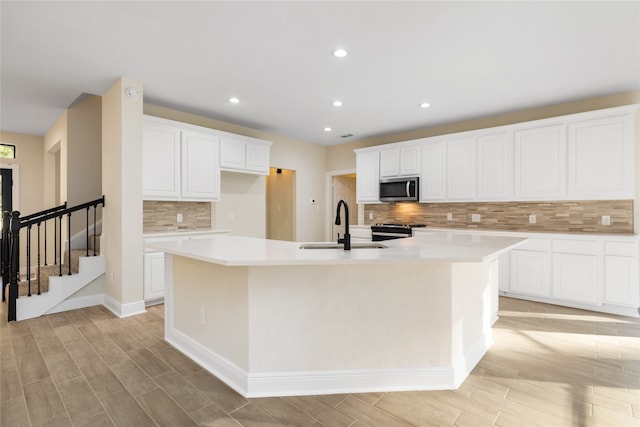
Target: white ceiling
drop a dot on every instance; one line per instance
(468, 59)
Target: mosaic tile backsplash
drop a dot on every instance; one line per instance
(555, 217)
(161, 216)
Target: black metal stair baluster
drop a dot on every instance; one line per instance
(38, 266)
(87, 254)
(6, 268)
(55, 240)
(14, 255)
(95, 208)
(69, 240)
(60, 245)
(45, 243)
(29, 261)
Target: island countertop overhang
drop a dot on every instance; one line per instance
(250, 251)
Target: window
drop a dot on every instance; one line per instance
(7, 151)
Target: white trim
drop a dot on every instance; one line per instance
(77, 302)
(124, 310)
(315, 382)
(15, 190)
(329, 200)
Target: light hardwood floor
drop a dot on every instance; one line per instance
(549, 366)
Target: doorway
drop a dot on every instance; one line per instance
(281, 223)
(343, 187)
(6, 190)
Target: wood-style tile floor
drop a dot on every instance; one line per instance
(549, 366)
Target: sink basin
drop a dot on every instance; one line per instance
(334, 245)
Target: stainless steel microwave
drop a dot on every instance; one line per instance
(400, 189)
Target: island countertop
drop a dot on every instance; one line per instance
(249, 251)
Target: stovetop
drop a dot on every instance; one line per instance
(404, 226)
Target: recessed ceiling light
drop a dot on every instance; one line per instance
(234, 100)
(337, 103)
(340, 53)
(327, 129)
(425, 105)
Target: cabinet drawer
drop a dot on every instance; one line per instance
(538, 245)
(587, 247)
(621, 248)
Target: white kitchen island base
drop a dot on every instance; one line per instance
(278, 330)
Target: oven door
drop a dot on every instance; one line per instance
(379, 236)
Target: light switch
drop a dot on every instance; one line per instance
(532, 219)
(606, 220)
(179, 217)
(449, 216)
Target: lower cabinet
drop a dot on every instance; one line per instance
(575, 278)
(529, 272)
(153, 276)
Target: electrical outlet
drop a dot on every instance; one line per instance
(203, 317)
(449, 216)
(370, 215)
(606, 220)
(231, 216)
(179, 218)
(475, 217)
(532, 219)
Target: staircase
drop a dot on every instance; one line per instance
(56, 288)
(44, 288)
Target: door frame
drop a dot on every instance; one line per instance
(15, 176)
(328, 198)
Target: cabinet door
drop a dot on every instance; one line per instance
(258, 157)
(389, 162)
(540, 168)
(461, 169)
(495, 166)
(232, 153)
(200, 170)
(160, 162)
(529, 272)
(410, 160)
(575, 278)
(621, 280)
(601, 159)
(367, 177)
(433, 184)
(153, 276)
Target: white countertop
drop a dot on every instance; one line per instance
(249, 251)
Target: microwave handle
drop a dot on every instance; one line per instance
(408, 184)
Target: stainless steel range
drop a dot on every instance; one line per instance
(380, 232)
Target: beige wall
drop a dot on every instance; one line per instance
(342, 157)
(55, 145)
(280, 201)
(242, 206)
(30, 161)
(122, 187)
(308, 160)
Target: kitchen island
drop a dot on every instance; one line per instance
(272, 319)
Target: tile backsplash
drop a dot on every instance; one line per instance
(161, 216)
(582, 216)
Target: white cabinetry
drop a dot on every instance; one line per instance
(495, 167)
(153, 276)
(240, 154)
(200, 177)
(433, 184)
(367, 176)
(160, 162)
(529, 266)
(576, 270)
(621, 273)
(179, 163)
(540, 163)
(403, 160)
(461, 169)
(601, 158)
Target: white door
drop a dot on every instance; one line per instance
(575, 277)
(433, 183)
(495, 166)
(621, 280)
(461, 169)
(389, 162)
(367, 177)
(410, 160)
(160, 162)
(257, 157)
(153, 276)
(200, 170)
(232, 153)
(529, 272)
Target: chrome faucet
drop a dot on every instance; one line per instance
(347, 237)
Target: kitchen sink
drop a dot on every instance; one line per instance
(334, 245)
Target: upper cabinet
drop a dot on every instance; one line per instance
(601, 158)
(183, 161)
(179, 164)
(367, 176)
(540, 163)
(242, 154)
(403, 160)
(586, 156)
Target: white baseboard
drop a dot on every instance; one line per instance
(312, 383)
(76, 303)
(124, 310)
(604, 308)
